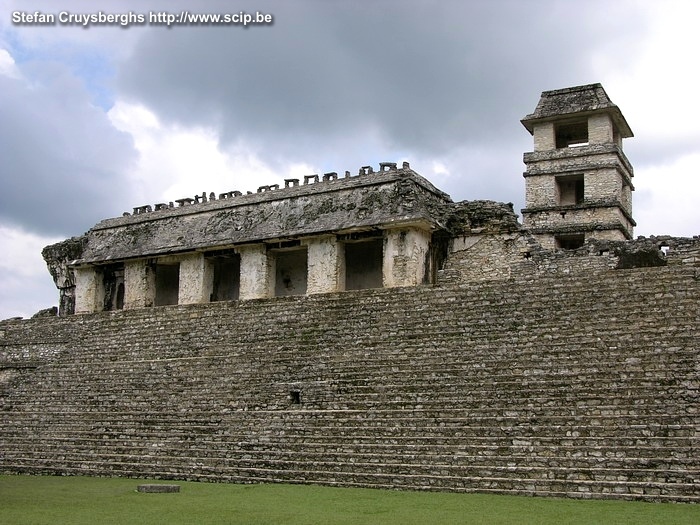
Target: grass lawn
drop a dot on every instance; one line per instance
(77, 500)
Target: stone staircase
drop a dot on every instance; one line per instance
(578, 386)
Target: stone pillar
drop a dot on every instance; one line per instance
(600, 129)
(405, 254)
(255, 272)
(196, 279)
(139, 285)
(89, 290)
(326, 265)
(544, 136)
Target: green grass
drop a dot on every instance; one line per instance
(37, 500)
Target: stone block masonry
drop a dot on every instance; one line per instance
(276, 242)
(367, 331)
(583, 385)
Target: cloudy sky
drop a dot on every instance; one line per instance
(97, 120)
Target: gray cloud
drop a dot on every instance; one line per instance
(62, 162)
(332, 84)
(432, 80)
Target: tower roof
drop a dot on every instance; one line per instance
(578, 100)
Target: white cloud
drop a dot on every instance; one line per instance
(666, 200)
(661, 77)
(656, 90)
(8, 67)
(25, 281)
(176, 162)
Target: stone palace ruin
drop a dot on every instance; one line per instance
(365, 330)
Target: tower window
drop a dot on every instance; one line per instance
(570, 242)
(570, 190)
(572, 134)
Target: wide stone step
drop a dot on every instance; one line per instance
(533, 342)
(385, 421)
(529, 481)
(518, 456)
(399, 466)
(557, 387)
(623, 449)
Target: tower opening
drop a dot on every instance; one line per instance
(570, 242)
(570, 189)
(572, 134)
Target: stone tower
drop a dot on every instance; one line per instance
(578, 182)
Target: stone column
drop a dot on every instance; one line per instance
(89, 290)
(405, 253)
(255, 272)
(600, 129)
(196, 279)
(543, 135)
(139, 285)
(326, 270)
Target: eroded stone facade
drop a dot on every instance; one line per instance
(556, 357)
(317, 237)
(578, 182)
(385, 228)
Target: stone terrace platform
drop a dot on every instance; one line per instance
(582, 386)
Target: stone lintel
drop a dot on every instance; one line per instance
(410, 223)
(581, 228)
(590, 205)
(583, 154)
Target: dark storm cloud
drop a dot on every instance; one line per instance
(429, 76)
(429, 80)
(62, 162)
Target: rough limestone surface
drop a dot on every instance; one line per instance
(578, 100)
(558, 357)
(395, 196)
(559, 382)
(58, 257)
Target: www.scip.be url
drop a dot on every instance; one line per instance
(187, 18)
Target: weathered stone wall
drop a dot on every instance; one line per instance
(57, 257)
(349, 203)
(143, 256)
(582, 384)
(606, 178)
(518, 255)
